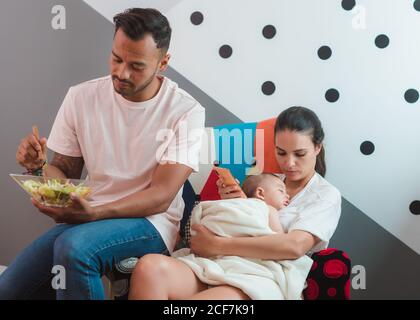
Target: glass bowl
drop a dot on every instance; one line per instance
(53, 192)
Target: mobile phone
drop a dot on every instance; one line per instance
(226, 176)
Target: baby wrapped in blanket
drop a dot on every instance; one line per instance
(255, 216)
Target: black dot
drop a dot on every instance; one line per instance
(225, 51)
(382, 41)
(367, 148)
(268, 88)
(417, 5)
(197, 18)
(269, 31)
(411, 96)
(415, 207)
(324, 52)
(348, 4)
(332, 95)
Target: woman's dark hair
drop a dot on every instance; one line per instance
(304, 120)
(137, 22)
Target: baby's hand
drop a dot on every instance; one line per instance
(274, 221)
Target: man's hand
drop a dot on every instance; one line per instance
(31, 153)
(205, 243)
(80, 211)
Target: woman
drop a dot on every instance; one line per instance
(310, 219)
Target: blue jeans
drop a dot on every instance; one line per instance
(86, 251)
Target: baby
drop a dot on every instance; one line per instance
(258, 215)
(270, 189)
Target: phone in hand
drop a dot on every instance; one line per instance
(226, 176)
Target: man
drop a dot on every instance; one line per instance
(126, 129)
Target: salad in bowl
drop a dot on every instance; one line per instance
(53, 191)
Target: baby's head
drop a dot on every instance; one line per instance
(267, 187)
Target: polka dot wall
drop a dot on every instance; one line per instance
(260, 61)
(354, 62)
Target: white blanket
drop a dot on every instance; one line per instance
(259, 279)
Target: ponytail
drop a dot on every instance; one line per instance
(320, 166)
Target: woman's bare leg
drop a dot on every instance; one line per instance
(161, 277)
(222, 292)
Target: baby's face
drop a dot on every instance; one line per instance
(275, 194)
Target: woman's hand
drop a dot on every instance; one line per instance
(205, 243)
(229, 192)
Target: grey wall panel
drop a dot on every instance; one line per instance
(392, 268)
(38, 64)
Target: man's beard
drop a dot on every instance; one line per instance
(131, 91)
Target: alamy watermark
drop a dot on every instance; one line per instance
(58, 282)
(359, 17)
(58, 22)
(200, 146)
(358, 274)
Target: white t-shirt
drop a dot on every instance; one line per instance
(315, 209)
(123, 142)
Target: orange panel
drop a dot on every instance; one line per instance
(268, 156)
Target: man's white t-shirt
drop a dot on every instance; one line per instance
(123, 142)
(315, 209)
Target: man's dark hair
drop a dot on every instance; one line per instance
(137, 22)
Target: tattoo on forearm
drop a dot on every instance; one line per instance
(72, 167)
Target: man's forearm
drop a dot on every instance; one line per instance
(140, 204)
(51, 171)
(62, 166)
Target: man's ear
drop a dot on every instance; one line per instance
(164, 63)
(259, 193)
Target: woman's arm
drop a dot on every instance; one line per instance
(292, 245)
(286, 246)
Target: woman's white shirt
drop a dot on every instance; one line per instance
(315, 209)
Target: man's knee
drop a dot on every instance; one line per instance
(69, 249)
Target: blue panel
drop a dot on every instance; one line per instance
(235, 147)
